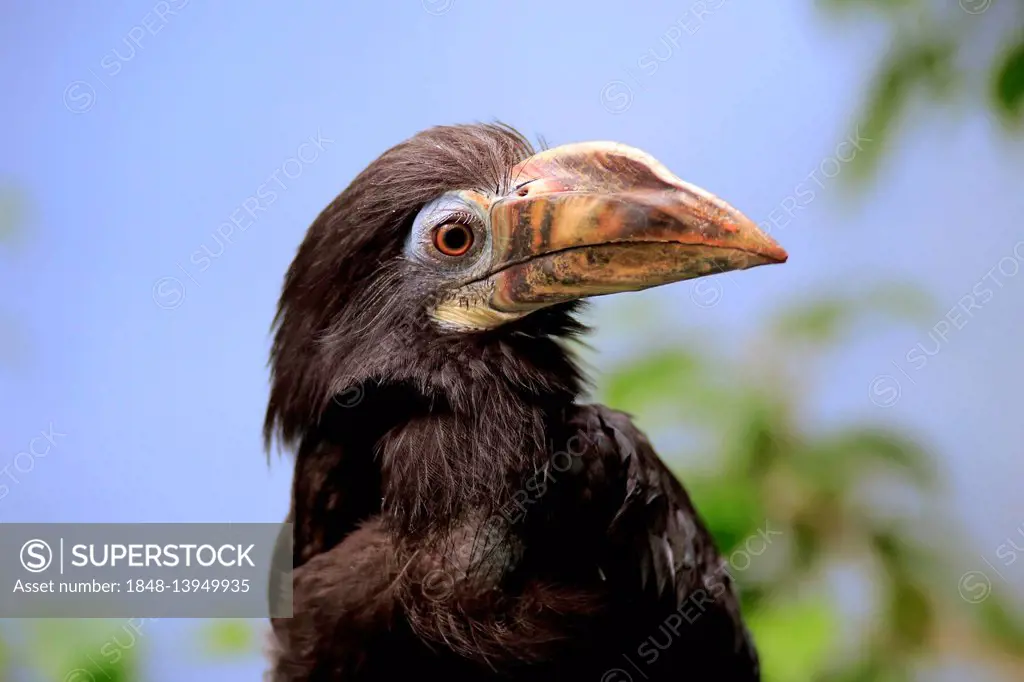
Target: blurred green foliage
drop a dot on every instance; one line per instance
(74, 650)
(940, 52)
(226, 639)
(12, 212)
(817, 490)
(815, 485)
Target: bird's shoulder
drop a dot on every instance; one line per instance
(653, 512)
(660, 547)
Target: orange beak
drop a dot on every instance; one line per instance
(597, 218)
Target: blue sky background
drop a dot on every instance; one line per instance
(134, 159)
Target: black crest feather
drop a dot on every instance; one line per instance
(346, 252)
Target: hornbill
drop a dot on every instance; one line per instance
(456, 511)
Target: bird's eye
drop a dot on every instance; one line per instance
(453, 239)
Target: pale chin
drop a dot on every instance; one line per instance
(469, 310)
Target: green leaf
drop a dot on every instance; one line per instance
(875, 667)
(1000, 623)
(828, 319)
(759, 434)
(901, 552)
(119, 665)
(898, 301)
(642, 384)
(732, 509)
(851, 452)
(1009, 82)
(907, 67)
(816, 321)
(794, 637)
(889, 7)
(12, 213)
(70, 649)
(911, 614)
(228, 639)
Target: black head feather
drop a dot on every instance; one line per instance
(351, 317)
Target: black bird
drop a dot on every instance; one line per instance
(456, 511)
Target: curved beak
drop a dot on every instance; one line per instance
(597, 218)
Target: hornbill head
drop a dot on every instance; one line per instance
(463, 244)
